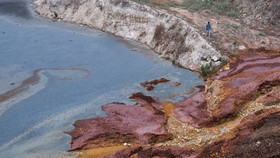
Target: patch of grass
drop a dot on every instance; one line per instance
(234, 42)
(261, 34)
(222, 7)
(169, 4)
(172, 4)
(55, 14)
(197, 5)
(167, 58)
(233, 13)
(173, 61)
(142, 1)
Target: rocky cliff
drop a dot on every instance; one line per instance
(166, 34)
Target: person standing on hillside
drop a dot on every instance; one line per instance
(208, 29)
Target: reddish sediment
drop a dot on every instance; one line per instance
(149, 102)
(176, 84)
(124, 124)
(237, 114)
(247, 79)
(149, 85)
(193, 110)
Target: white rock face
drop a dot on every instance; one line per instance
(166, 34)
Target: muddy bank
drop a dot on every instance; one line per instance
(166, 34)
(231, 114)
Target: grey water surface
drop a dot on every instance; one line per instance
(78, 69)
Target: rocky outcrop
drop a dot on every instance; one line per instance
(168, 35)
(255, 74)
(124, 124)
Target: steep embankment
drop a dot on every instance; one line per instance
(167, 34)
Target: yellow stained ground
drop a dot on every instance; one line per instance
(185, 135)
(100, 152)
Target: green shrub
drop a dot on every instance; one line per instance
(205, 69)
(261, 34)
(100, 6)
(173, 61)
(223, 61)
(55, 14)
(234, 43)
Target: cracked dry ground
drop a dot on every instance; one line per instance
(237, 114)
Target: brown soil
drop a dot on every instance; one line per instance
(149, 85)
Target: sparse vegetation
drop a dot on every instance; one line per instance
(223, 61)
(205, 69)
(222, 7)
(169, 4)
(178, 29)
(234, 42)
(167, 58)
(99, 5)
(142, 1)
(234, 54)
(261, 34)
(195, 5)
(55, 14)
(173, 61)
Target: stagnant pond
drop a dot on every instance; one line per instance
(53, 73)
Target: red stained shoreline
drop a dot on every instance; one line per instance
(253, 79)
